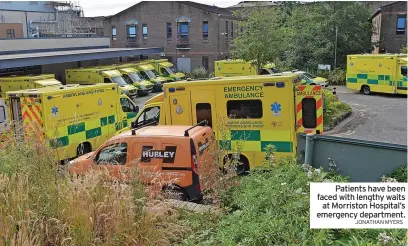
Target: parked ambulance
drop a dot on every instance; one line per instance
(132, 76)
(385, 73)
(91, 76)
(231, 68)
(149, 73)
(170, 156)
(73, 119)
(251, 111)
(166, 69)
(13, 83)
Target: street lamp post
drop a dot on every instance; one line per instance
(335, 50)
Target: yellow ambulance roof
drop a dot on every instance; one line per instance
(277, 77)
(48, 82)
(28, 77)
(165, 64)
(146, 66)
(71, 88)
(128, 70)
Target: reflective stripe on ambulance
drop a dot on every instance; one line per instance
(309, 91)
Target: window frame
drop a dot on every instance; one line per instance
(259, 114)
(232, 29)
(143, 114)
(131, 107)
(10, 33)
(402, 68)
(205, 33)
(169, 31)
(144, 28)
(129, 35)
(226, 29)
(114, 36)
(401, 31)
(181, 34)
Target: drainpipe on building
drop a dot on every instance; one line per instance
(218, 36)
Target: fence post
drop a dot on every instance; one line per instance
(309, 149)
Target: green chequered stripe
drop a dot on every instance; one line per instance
(78, 132)
(402, 84)
(252, 136)
(371, 79)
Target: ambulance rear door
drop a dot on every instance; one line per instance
(309, 109)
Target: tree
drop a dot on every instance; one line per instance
(260, 40)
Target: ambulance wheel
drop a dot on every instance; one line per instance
(366, 89)
(242, 167)
(175, 192)
(84, 148)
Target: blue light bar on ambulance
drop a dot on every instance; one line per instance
(172, 89)
(280, 84)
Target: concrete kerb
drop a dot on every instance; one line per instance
(194, 207)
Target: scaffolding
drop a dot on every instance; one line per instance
(68, 21)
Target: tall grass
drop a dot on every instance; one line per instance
(40, 205)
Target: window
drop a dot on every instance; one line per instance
(144, 31)
(182, 29)
(205, 62)
(148, 116)
(205, 29)
(242, 109)
(203, 111)
(264, 71)
(232, 29)
(113, 32)
(309, 113)
(226, 29)
(164, 71)
(404, 71)
(107, 80)
(119, 80)
(114, 154)
(401, 20)
(127, 106)
(10, 33)
(144, 75)
(168, 29)
(2, 114)
(131, 32)
(127, 78)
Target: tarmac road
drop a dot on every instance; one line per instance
(377, 117)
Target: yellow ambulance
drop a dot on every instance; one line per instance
(14, 83)
(132, 76)
(251, 111)
(385, 73)
(149, 73)
(71, 119)
(231, 68)
(166, 69)
(90, 76)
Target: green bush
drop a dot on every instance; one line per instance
(400, 174)
(337, 77)
(333, 108)
(198, 73)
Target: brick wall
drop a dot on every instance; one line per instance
(157, 14)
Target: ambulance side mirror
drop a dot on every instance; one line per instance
(136, 109)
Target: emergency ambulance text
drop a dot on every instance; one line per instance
(244, 91)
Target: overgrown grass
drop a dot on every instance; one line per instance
(333, 109)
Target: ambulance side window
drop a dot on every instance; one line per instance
(244, 109)
(144, 75)
(164, 71)
(404, 70)
(107, 80)
(127, 106)
(309, 113)
(114, 154)
(2, 114)
(264, 71)
(203, 112)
